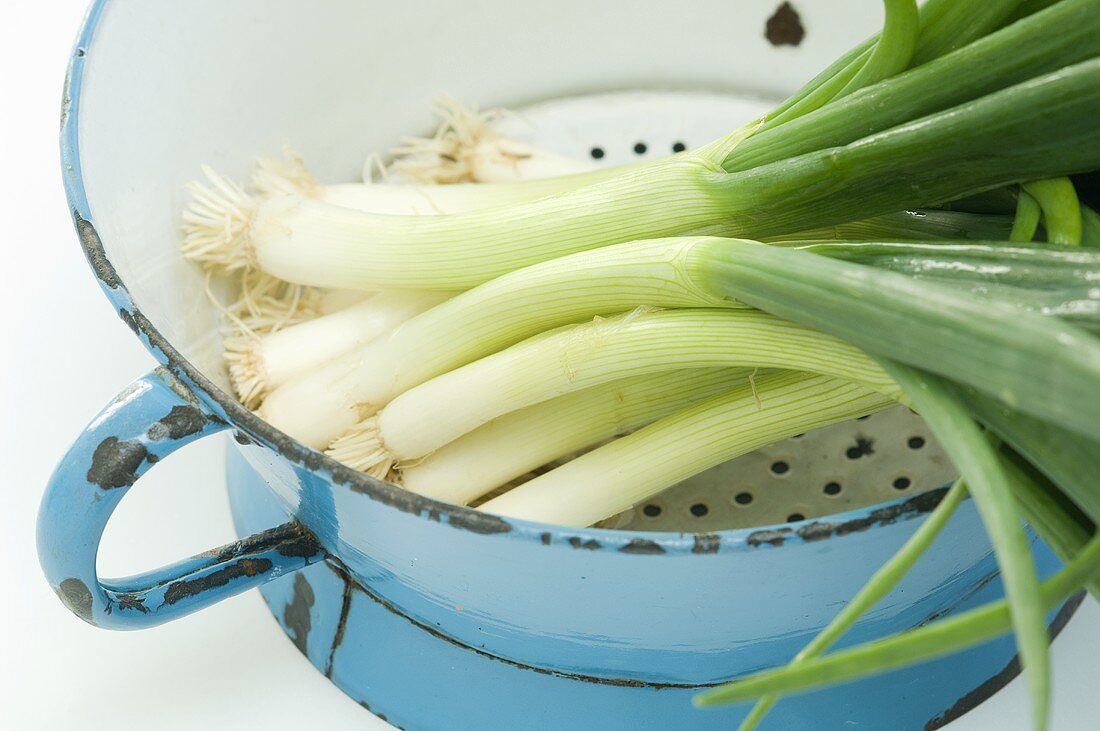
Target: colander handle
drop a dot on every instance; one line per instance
(147, 421)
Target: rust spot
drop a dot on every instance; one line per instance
(784, 28)
(590, 545)
(641, 546)
(128, 318)
(706, 543)
(291, 539)
(768, 537)
(246, 567)
(911, 508)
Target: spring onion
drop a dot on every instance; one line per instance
(562, 361)
(585, 363)
(258, 363)
(309, 242)
(603, 482)
(1061, 209)
(1028, 215)
(989, 483)
(885, 580)
(926, 643)
(1039, 365)
(513, 445)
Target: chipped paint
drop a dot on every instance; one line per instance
(245, 567)
(706, 543)
(296, 614)
(784, 27)
(641, 546)
(180, 422)
(768, 537)
(589, 545)
(77, 597)
(914, 507)
(115, 463)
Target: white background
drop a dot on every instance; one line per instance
(64, 354)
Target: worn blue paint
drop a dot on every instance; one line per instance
(394, 661)
(149, 420)
(442, 617)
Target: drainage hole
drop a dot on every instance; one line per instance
(596, 153)
(678, 147)
(915, 442)
(699, 509)
(795, 517)
(743, 498)
(901, 483)
(640, 148)
(651, 510)
(780, 467)
(832, 488)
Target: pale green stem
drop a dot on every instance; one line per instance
(878, 586)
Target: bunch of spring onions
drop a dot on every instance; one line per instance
(901, 230)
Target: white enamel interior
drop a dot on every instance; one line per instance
(169, 86)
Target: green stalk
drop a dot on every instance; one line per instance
(822, 88)
(1052, 282)
(1065, 34)
(1047, 123)
(322, 405)
(668, 273)
(1045, 281)
(952, 25)
(1023, 267)
(1041, 365)
(998, 139)
(926, 643)
(1068, 459)
(894, 49)
(963, 25)
(1057, 521)
(1090, 228)
(931, 224)
(1061, 209)
(999, 201)
(435, 413)
(611, 478)
(981, 467)
(885, 580)
(513, 445)
(1027, 218)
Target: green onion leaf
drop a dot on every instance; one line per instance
(981, 466)
(888, 576)
(926, 643)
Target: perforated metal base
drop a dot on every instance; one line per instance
(846, 466)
